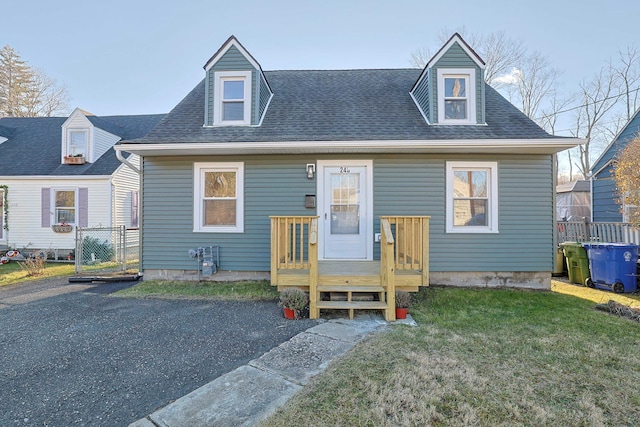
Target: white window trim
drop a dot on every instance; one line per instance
(199, 168)
(53, 203)
(219, 78)
(470, 75)
(67, 151)
(492, 168)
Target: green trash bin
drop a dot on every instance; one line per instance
(577, 262)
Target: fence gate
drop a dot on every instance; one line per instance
(107, 250)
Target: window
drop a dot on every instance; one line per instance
(232, 98)
(456, 96)
(77, 145)
(64, 210)
(135, 210)
(219, 197)
(472, 197)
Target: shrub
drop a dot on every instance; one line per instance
(403, 299)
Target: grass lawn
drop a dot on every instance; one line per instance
(12, 273)
(248, 290)
(483, 357)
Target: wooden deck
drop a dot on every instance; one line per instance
(343, 273)
(351, 285)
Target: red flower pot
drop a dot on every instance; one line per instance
(289, 313)
(401, 313)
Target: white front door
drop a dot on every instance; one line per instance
(346, 221)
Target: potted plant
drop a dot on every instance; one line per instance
(63, 227)
(403, 302)
(293, 300)
(75, 159)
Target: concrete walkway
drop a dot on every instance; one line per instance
(251, 393)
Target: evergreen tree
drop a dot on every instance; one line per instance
(25, 91)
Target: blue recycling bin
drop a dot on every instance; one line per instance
(613, 266)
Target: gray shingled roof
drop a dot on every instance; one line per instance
(34, 145)
(341, 105)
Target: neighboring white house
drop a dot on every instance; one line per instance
(63, 171)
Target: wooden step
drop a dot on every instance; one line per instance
(349, 288)
(357, 305)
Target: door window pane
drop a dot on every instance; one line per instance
(345, 203)
(345, 219)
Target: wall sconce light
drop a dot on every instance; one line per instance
(311, 170)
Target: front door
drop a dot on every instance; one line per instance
(345, 210)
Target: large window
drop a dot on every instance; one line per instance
(472, 197)
(232, 98)
(219, 197)
(456, 96)
(64, 209)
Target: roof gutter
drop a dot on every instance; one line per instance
(504, 146)
(120, 157)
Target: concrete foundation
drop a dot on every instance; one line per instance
(481, 279)
(192, 275)
(494, 279)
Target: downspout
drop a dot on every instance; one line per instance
(124, 161)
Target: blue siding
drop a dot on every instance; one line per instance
(265, 95)
(403, 185)
(604, 205)
(604, 197)
(630, 131)
(421, 94)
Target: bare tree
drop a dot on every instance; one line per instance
(529, 84)
(597, 98)
(26, 91)
(499, 52)
(628, 74)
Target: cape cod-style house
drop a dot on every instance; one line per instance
(59, 173)
(347, 182)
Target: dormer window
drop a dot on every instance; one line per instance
(77, 143)
(456, 96)
(232, 104)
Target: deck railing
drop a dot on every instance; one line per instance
(585, 231)
(411, 243)
(387, 267)
(293, 244)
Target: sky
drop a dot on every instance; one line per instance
(142, 57)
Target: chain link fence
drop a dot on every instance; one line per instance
(107, 250)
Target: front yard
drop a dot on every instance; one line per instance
(13, 273)
(484, 357)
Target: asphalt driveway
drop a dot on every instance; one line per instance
(72, 354)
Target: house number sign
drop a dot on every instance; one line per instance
(344, 169)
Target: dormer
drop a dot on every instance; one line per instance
(236, 90)
(450, 89)
(84, 138)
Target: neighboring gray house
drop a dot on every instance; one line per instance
(64, 169)
(350, 147)
(573, 201)
(605, 206)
